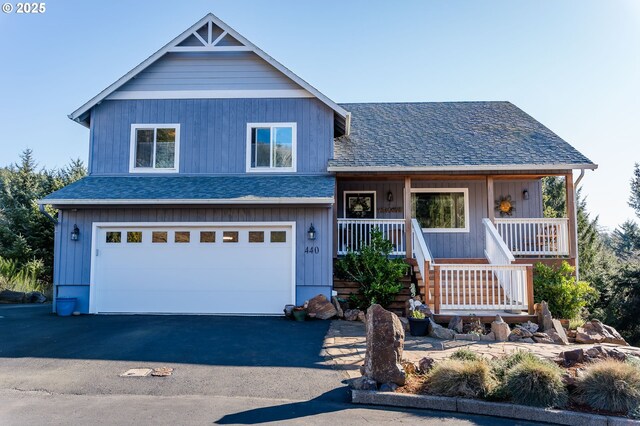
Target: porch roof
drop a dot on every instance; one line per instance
(450, 136)
(252, 189)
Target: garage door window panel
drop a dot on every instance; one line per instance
(207, 237)
(278, 236)
(182, 237)
(256, 236)
(114, 237)
(159, 237)
(134, 236)
(230, 237)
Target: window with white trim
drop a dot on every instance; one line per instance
(271, 147)
(441, 209)
(155, 147)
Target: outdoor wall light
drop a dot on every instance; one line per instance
(75, 234)
(311, 233)
(525, 194)
(389, 196)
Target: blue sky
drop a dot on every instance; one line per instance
(573, 65)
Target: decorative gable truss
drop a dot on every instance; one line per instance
(210, 38)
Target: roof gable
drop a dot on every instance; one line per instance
(209, 34)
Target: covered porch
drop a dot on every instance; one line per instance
(466, 260)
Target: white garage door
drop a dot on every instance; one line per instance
(222, 269)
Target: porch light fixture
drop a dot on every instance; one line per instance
(389, 196)
(311, 233)
(75, 234)
(525, 194)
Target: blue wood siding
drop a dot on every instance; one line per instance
(210, 71)
(381, 188)
(523, 208)
(212, 132)
(314, 272)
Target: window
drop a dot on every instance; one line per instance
(441, 209)
(159, 237)
(271, 147)
(256, 237)
(134, 236)
(207, 237)
(155, 148)
(278, 236)
(359, 205)
(182, 237)
(114, 237)
(230, 237)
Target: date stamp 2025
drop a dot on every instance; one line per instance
(24, 8)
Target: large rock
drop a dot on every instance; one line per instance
(336, 304)
(557, 333)
(426, 364)
(9, 296)
(319, 307)
(456, 324)
(35, 297)
(351, 314)
(440, 332)
(540, 337)
(363, 383)
(531, 327)
(385, 343)
(595, 331)
(474, 326)
(500, 329)
(519, 333)
(545, 319)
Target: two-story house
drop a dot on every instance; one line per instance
(221, 182)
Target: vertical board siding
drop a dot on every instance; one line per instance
(213, 132)
(210, 71)
(381, 189)
(73, 258)
(531, 208)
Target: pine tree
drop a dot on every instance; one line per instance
(634, 198)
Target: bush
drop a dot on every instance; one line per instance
(465, 355)
(471, 379)
(377, 273)
(502, 365)
(558, 287)
(535, 382)
(22, 278)
(610, 385)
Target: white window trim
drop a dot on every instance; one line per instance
(132, 148)
(294, 143)
(465, 192)
(366, 191)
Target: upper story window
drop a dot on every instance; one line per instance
(155, 148)
(441, 209)
(271, 147)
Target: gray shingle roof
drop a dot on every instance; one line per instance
(450, 135)
(245, 189)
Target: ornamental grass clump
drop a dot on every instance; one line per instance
(610, 385)
(535, 382)
(502, 365)
(465, 354)
(451, 377)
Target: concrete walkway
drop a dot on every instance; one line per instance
(345, 346)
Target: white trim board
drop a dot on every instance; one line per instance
(464, 191)
(155, 127)
(78, 114)
(465, 168)
(96, 225)
(208, 94)
(195, 201)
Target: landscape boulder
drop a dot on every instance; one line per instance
(364, 383)
(474, 326)
(540, 337)
(35, 297)
(426, 364)
(336, 304)
(439, 332)
(9, 296)
(385, 344)
(456, 324)
(519, 334)
(500, 329)
(351, 314)
(595, 331)
(320, 307)
(489, 337)
(531, 327)
(545, 319)
(405, 323)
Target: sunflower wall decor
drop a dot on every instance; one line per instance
(505, 206)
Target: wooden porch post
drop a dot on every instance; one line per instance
(436, 290)
(407, 217)
(571, 214)
(530, 289)
(335, 220)
(490, 199)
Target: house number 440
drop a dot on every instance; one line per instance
(312, 250)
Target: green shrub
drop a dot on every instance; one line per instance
(610, 385)
(558, 287)
(377, 273)
(21, 278)
(417, 315)
(451, 377)
(502, 365)
(535, 382)
(465, 354)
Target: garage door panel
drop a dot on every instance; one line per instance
(195, 277)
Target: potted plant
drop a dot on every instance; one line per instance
(418, 323)
(299, 313)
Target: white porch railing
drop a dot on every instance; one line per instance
(481, 287)
(421, 252)
(537, 237)
(356, 233)
(495, 249)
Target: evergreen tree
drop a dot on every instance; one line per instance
(554, 196)
(625, 240)
(634, 198)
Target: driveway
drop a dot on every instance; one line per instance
(227, 370)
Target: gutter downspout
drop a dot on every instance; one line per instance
(575, 223)
(52, 219)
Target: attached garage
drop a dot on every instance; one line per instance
(195, 268)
